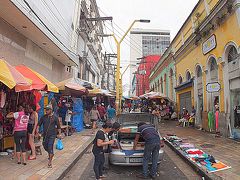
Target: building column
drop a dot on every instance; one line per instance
(205, 105)
(221, 99)
(236, 5)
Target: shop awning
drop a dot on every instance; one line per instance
(184, 85)
(72, 83)
(12, 78)
(96, 91)
(147, 95)
(156, 95)
(99, 91)
(38, 81)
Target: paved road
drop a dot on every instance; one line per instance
(168, 170)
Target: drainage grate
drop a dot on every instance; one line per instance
(207, 145)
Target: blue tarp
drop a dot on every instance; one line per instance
(78, 117)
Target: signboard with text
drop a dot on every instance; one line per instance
(213, 87)
(209, 44)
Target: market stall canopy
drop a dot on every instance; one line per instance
(156, 95)
(12, 78)
(131, 98)
(147, 95)
(99, 91)
(38, 81)
(72, 83)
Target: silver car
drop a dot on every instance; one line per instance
(122, 153)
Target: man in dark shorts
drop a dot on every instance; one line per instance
(151, 148)
(50, 124)
(98, 149)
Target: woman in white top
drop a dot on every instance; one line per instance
(94, 116)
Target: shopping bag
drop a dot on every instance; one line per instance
(59, 144)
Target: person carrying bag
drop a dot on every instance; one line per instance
(50, 127)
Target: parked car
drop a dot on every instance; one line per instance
(125, 140)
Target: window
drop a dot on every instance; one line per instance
(232, 55)
(68, 68)
(180, 80)
(213, 64)
(161, 84)
(199, 71)
(188, 76)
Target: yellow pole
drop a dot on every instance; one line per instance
(118, 90)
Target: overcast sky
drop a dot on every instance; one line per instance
(164, 14)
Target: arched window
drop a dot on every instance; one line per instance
(213, 64)
(165, 84)
(161, 81)
(199, 71)
(171, 83)
(232, 55)
(171, 73)
(188, 76)
(213, 67)
(180, 80)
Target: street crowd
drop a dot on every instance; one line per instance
(27, 124)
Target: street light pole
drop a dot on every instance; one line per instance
(118, 43)
(118, 73)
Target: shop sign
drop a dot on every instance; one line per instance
(213, 87)
(209, 44)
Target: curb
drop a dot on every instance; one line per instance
(197, 169)
(60, 173)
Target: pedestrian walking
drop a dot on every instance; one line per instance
(111, 136)
(102, 111)
(94, 116)
(98, 150)
(157, 115)
(111, 113)
(50, 126)
(151, 149)
(20, 133)
(32, 126)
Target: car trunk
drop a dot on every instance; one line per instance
(126, 140)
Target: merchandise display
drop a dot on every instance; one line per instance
(203, 160)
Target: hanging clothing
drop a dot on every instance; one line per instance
(217, 119)
(3, 99)
(78, 114)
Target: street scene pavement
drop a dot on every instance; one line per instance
(169, 168)
(141, 80)
(224, 149)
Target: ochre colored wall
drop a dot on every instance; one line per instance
(227, 32)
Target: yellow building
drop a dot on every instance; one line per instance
(206, 52)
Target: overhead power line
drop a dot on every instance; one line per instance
(122, 31)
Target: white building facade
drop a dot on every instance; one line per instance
(44, 35)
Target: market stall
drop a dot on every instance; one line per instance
(196, 157)
(19, 85)
(11, 83)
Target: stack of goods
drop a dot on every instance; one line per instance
(195, 155)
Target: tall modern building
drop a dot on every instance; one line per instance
(146, 42)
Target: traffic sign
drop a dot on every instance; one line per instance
(213, 87)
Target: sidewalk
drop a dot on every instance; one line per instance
(223, 149)
(74, 146)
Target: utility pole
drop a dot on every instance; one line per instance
(108, 68)
(108, 64)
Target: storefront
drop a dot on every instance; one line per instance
(19, 86)
(231, 68)
(185, 96)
